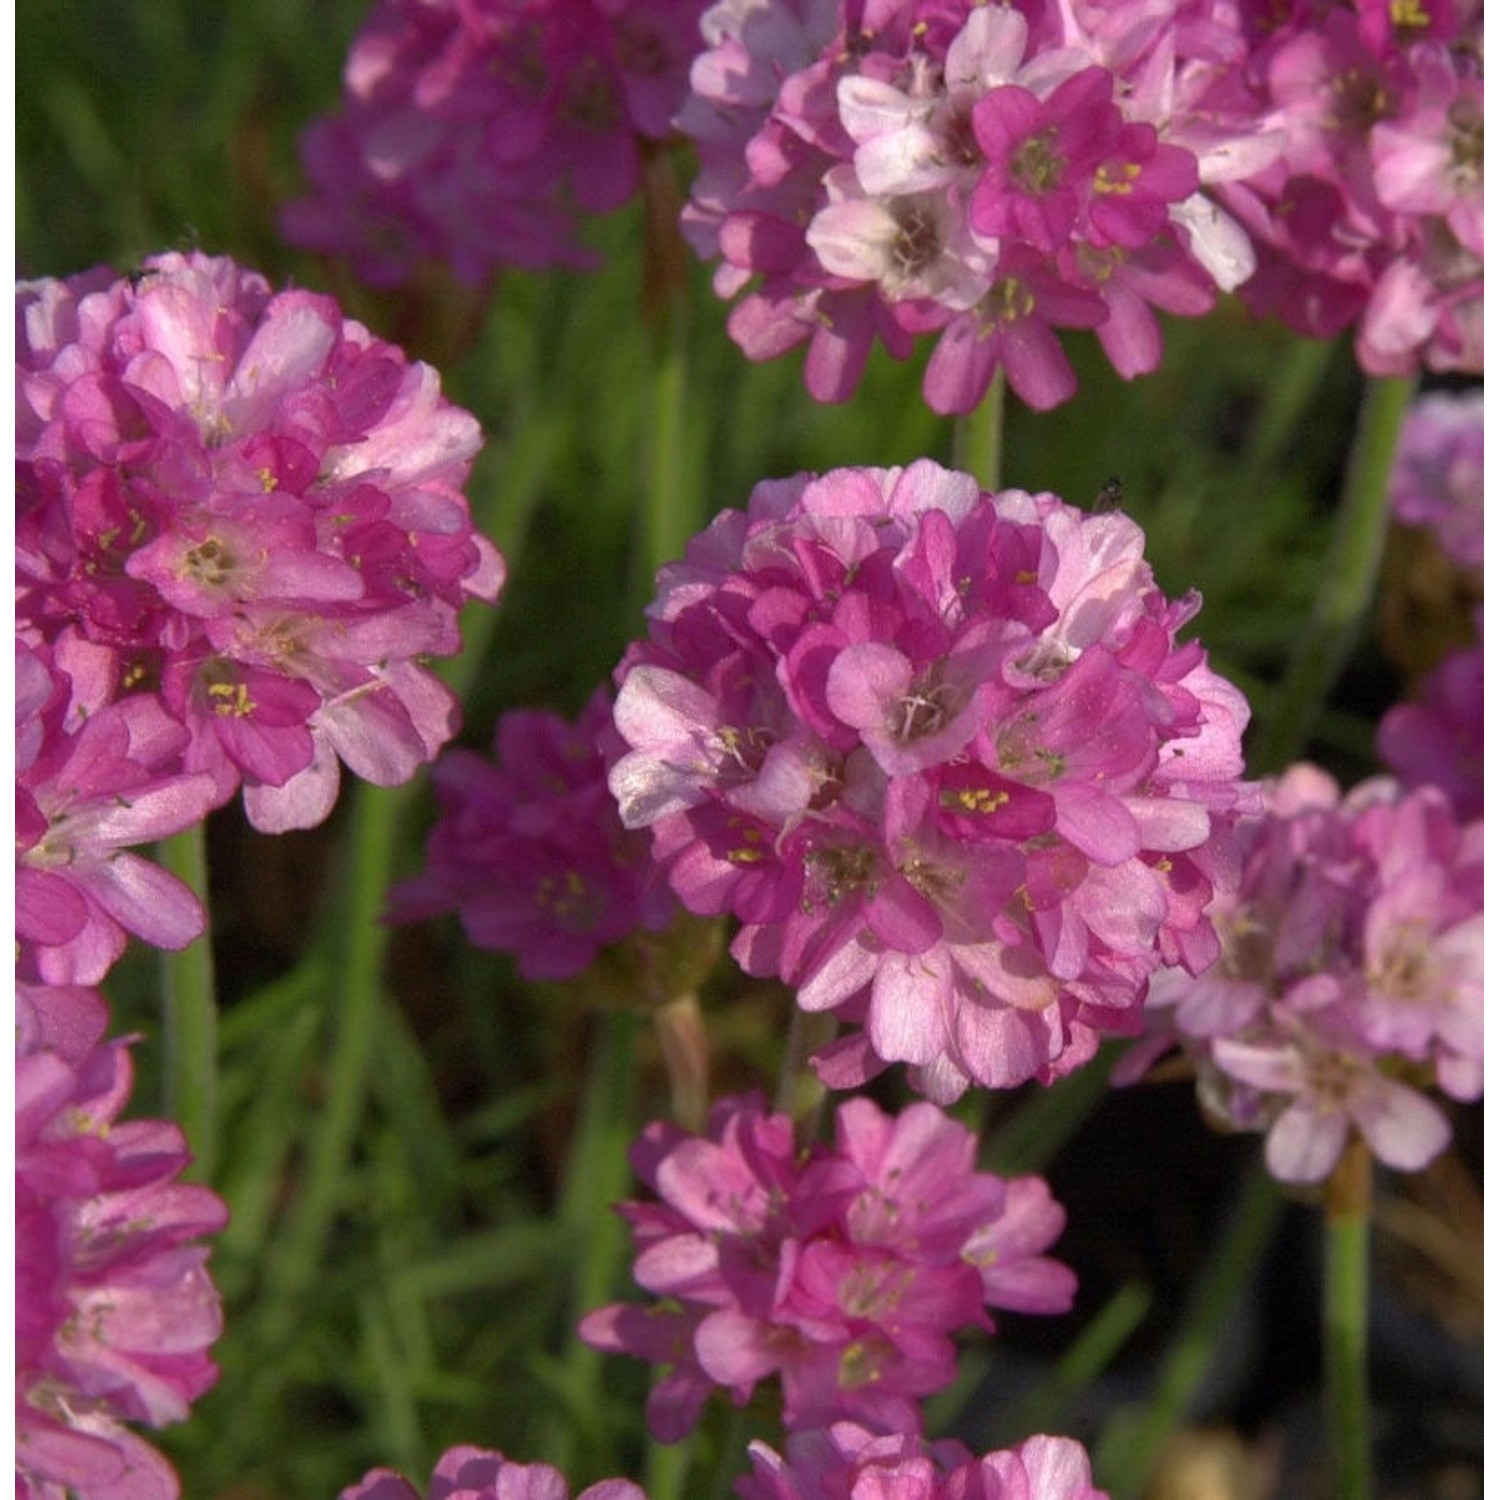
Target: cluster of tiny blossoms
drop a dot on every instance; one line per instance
(474, 136)
(247, 508)
(849, 1460)
(114, 1308)
(1351, 978)
(482, 1474)
(840, 1270)
(1371, 212)
(941, 753)
(529, 849)
(988, 172)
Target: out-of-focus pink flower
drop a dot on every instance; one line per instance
(85, 797)
(482, 1474)
(841, 1271)
(529, 849)
(1351, 979)
(114, 1307)
(847, 1459)
(941, 753)
(477, 136)
(246, 508)
(1438, 478)
(982, 172)
(1437, 739)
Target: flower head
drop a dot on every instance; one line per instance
(1351, 978)
(1438, 478)
(481, 1474)
(842, 1271)
(247, 509)
(114, 1307)
(943, 756)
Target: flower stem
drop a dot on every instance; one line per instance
(1132, 1443)
(798, 1092)
(191, 1012)
(359, 941)
(1350, 575)
(978, 438)
(1346, 1271)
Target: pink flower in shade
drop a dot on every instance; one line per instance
(482, 1474)
(1437, 739)
(847, 1459)
(85, 797)
(114, 1308)
(1351, 980)
(529, 849)
(871, 174)
(941, 754)
(843, 1271)
(478, 136)
(1438, 478)
(252, 507)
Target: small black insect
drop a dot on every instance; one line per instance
(1111, 494)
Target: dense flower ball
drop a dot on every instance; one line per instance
(942, 755)
(848, 1460)
(481, 1474)
(1437, 738)
(476, 135)
(247, 508)
(93, 780)
(1352, 977)
(988, 172)
(1371, 213)
(114, 1307)
(529, 849)
(842, 1271)
(1438, 479)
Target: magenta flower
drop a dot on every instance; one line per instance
(114, 1307)
(477, 137)
(529, 849)
(1437, 739)
(1351, 980)
(979, 172)
(85, 797)
(847, 1459)
(1438, 478)
(252, 507)
(842, 1271)
(940, 753)
(482, 1474)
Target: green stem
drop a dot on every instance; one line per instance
(1346, 1292)
(1285, 408)
(1131, 1445)
(669, 518)
(1349, 578)
(192, 1012)
(359, 940)
(798, 1092)
(978, 438)
(598, 1176)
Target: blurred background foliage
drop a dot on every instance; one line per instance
(436, 1306)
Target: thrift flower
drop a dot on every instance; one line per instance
(1351, 980)
(843, 1271)
(942, 755)
(250, 508)
(847, 1459)
(478, 136)
(482, 1474)
(1438, 478)
(114, 1307)
(529, 849)
(1437, 739)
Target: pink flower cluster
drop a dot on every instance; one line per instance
(243, 512)
(1437, 738)
(1438, 479)
(942, 755)
(114, 1307)
(1352, 977)
(1371, 213)
(841, 1270)
(474, 135)
(849, 1460)
(481, 1474)
(529, 849)
(988, 172)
